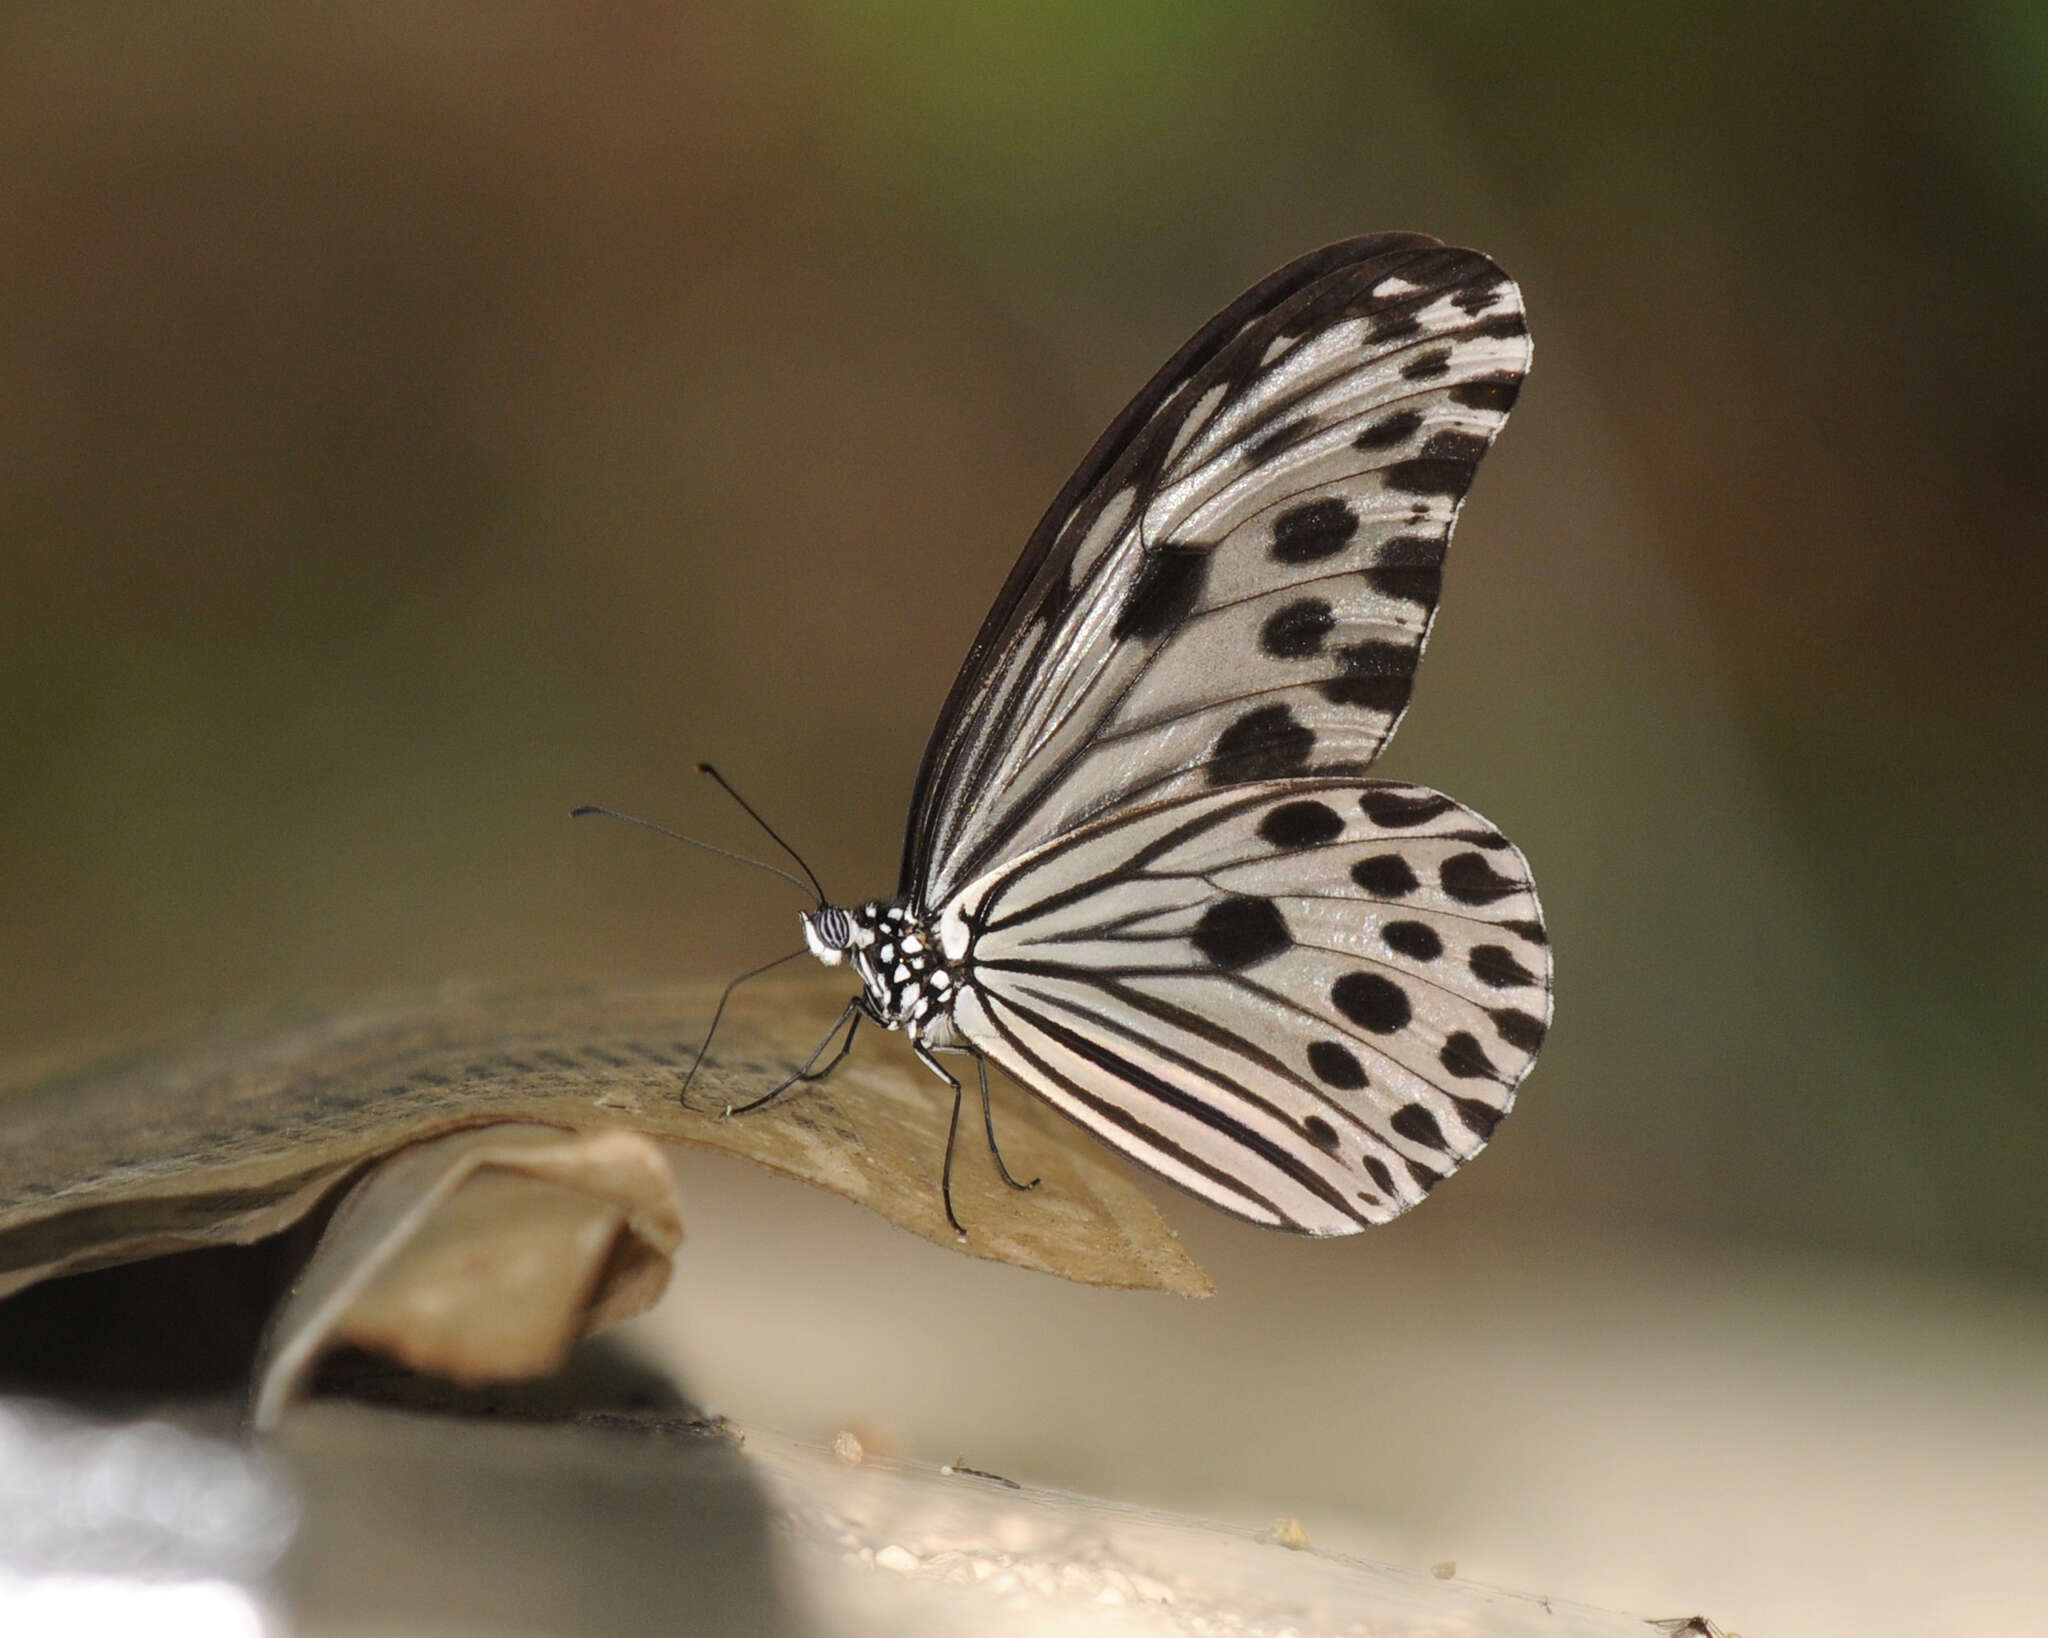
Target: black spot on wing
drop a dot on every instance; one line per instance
(1389, 430)
(1301, 824)
(1377, 1170)
(1454, 444)
(1379, 659)
(1313, 530)
(1372, 1002)
(1492, 392)
(1444, 467)
(1240, 932)
(1481, 293)
(1522, 1030)
(1281, 439)
(1495, 965)
(1385, 876)
(1335, 1066)
(1267, 743)
(1320, 1132)
(1411, 552)
(1471, 879)
(1377, 676)
(1392, 808)
(1425, 1179)
(1418, 1125)
(1465, 1058)
(1166, 587)
(1384, 694)
(1428, 366)
(1530, 930)
(1502, 328)
(1409, 567)
(1421, 586)
(1414, 939)
(1479, 1118)
(1296, 631)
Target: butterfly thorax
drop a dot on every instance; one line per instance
(910, 984)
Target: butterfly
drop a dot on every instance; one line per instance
(1145, 872)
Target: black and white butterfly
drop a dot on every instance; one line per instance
(1145, 872)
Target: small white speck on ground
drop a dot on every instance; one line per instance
(1288, 1533)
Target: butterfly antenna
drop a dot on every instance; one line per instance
(677, 836)
(706, 768)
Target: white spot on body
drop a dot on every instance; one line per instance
(953, 931)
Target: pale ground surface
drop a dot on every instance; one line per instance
(1788, 1448)
(892, 1549)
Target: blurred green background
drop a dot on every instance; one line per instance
(418, 418)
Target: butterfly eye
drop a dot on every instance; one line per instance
(828, 932)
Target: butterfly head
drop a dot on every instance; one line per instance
(828, 931)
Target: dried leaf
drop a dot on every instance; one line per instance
(481, 1257)
(229, 1137)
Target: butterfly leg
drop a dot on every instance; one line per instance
(849, 1020)
(858, 1007)
(988, 1122)
(953, 1126)
(952, 1131)
(718, 1012)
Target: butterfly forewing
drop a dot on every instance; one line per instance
(1238, 583)
(1306, 1001)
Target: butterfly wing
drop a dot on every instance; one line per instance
(1237, 583)
(1306, 1001)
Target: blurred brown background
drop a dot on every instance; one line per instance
(418, 418)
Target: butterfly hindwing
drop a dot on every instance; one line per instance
(1306, 1001)
(1238, 583)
